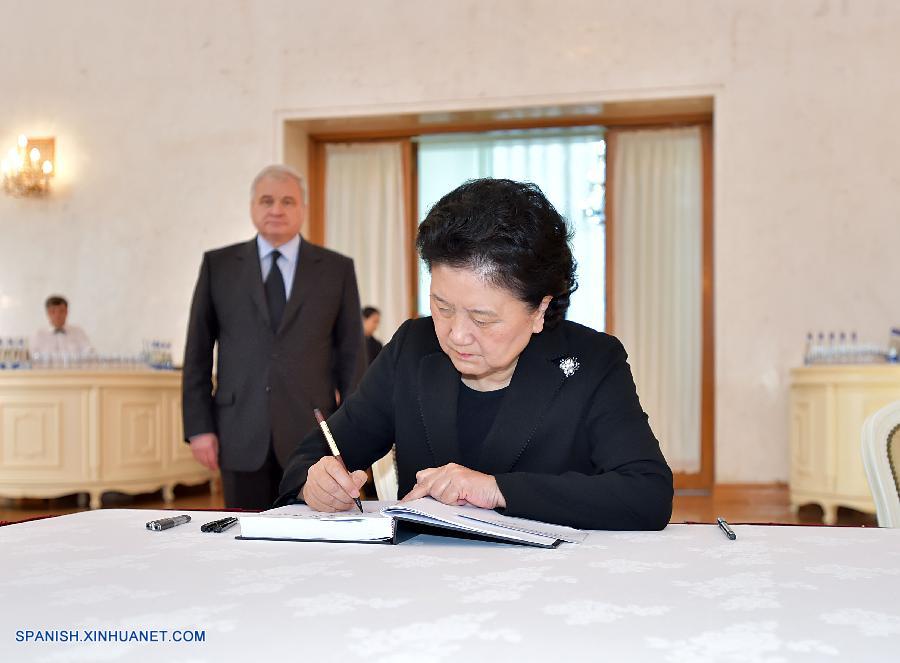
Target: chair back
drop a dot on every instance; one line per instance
(881, 458)
(384, 471)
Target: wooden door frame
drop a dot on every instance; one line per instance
(411, 189)
(316, 145)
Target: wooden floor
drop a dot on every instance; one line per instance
(737, 504)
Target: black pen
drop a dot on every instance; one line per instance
(725, 528)
(213, 525)
(334, 450)
(167, 523)
(229, 522)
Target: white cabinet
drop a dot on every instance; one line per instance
(828, 405)
(64, 432)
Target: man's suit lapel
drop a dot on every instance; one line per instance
(438, 393)
(536, 381)
(305, 276)
(252, 277)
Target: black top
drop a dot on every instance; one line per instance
(475, 414)
(570, 443)
(373, 347)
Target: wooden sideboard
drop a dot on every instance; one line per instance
(76, 431)
(828, 405)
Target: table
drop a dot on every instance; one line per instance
(778, 593)
(92, 431)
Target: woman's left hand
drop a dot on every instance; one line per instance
(455, 484)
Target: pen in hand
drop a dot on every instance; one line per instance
(334, 450)
(726, 529)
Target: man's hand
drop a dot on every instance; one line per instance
(205, 448)
(455, 484)
(328, 487)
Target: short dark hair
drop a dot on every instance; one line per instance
(508, 232)
(369, 311)
(56, 300)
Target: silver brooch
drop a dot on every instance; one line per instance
(568, 366)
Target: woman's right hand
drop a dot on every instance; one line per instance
(329, 487)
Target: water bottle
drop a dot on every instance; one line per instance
(17, 353)
(10, 358)
(893, 353)
(154, 354)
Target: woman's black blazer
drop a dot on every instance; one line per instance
(569, 445)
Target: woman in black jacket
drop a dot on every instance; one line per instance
(496, 400)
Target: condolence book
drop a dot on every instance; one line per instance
(379, 524)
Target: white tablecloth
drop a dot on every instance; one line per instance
(684, 594)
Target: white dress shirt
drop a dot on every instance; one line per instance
(69, 340)
(287, 262)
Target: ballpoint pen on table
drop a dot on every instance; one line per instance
(725, 528)
(211, 525)
(220, 525)
(167, 523)
(334, 450)
(225, 524)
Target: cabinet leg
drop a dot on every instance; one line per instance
(168, 492)
(795, 508)
(96, 499)
(829, 514)
(214, 486)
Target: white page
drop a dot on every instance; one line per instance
(561, 532)
(282, 522)
(431, 511)
(370, 509)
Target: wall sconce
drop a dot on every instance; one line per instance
(27, 168)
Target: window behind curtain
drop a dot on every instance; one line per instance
(570, 168)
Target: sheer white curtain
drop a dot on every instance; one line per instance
(365, 213)
(568, 166)
(657, 235)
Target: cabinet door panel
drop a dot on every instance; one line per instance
(854, 405)
(131, 431)
(41, 435)
(809, 439)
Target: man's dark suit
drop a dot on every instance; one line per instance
(573, 450)
(267, 383)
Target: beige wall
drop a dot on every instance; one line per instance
(163, 111)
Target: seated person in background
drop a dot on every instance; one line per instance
(496, 400)
(60, 338)
(371, 317)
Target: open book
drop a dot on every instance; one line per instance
(378, 524)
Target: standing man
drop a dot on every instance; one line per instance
(60, 338)
(285, 315)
